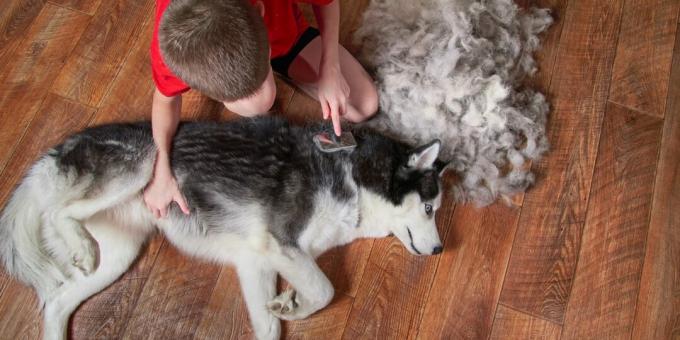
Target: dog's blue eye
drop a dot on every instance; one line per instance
(428, 209)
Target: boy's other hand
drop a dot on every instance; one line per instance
(161, 192)
(333, 94)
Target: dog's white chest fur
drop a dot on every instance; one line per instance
(332, 223)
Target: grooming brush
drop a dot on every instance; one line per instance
(326, 140)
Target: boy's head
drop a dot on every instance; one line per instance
(218, 47)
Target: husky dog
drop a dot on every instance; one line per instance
(262, 197)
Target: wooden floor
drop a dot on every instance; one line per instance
(591, 252)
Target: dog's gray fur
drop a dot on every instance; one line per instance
(262, 197)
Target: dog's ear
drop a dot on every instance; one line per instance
(423, 157)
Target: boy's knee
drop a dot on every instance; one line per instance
(368, 106)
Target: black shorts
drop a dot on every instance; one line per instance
(281, 64)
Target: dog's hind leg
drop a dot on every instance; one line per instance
(119, 247)
(311, 288)
(67, 221)
(258, 284)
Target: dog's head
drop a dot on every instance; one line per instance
(418, 182)
(408, 206)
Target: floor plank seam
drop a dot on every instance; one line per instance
(527, 313)
(638, 111)
(287, 104)
(74, 101)
(349, 312)
(69, 8)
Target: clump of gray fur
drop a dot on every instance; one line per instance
(451, 70)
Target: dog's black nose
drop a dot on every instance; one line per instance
(437, 250)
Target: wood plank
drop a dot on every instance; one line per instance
(644, 54)
(345, 265)
(303, 108)
(21, 316)
(5, 279)
(31, 70)
(174, 298)
(225, 316)
(15, 18)
(511, 324)
(466, 289)
(548, 238)
(197, 106)
(284, 95)
(395, 286)
(658, 306)
(131, 92)
(85, 6)
(605, 289)
(101, 51)
(328, 323)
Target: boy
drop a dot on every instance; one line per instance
(222, 49)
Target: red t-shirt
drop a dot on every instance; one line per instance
(284, 23)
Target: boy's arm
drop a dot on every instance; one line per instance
(333, 88)
(163, 188)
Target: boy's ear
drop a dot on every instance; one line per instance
(423, 157)
(260, 7)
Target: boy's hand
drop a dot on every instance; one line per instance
(333, 94)
(162, 191)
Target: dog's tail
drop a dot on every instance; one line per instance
(21, 244)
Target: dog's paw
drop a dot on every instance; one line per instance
(285, 306)
(84, 255)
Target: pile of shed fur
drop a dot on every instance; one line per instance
(451, 69)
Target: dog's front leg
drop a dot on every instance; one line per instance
(311, 288)
(258, 284)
